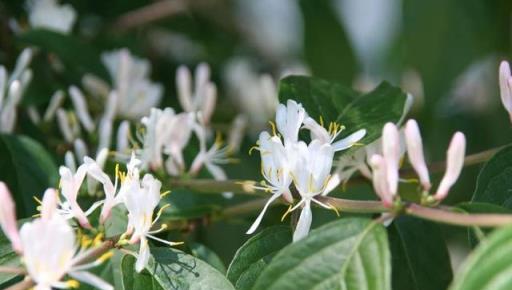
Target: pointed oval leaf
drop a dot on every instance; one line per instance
(350, 253)
(253, 256)
(488, 267)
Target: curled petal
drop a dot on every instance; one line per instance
(415, 153)
(304, 223)
(454, 164)
(257, 222)
(349, 141)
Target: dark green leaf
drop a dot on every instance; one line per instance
(494, 183)
(172, 269)
(253, 256)
(488, 267)
(28, 170)
(419, 254)
(8, 258)
(350, 253)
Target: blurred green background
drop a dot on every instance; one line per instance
(444, 52)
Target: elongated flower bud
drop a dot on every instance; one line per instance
(3, 85)
(379, 179)
(8, 217)
(505, 88)
(415, 153)
(391, 155)
(184, 87)
(55, 103)
(454, 164)
(81, 108)
(208, 105)
(64, 125)
(123, 133)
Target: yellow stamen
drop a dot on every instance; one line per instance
(176, 243)
(165, 193)
(37, 199)
(286, 213)
(273, 125)
(85, 241)
(321, 121)
(72, 284)
(334, 209)
(105, 257)
(97, 240)
(253, 148)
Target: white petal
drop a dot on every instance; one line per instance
(91, 279)
(81, 109)
(184, 87)
(257, 222)
(49, 205)
(415, 153)
(317, 132)
(454, 164)
(143, 256)
(349, 141)
(304, 223)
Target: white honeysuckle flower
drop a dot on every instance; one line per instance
(311, 174)
(141, 198)
(8, 218)
(70, 184)
(131, 80)
(123, 137)
(318, 132)
(276, 166)
(289, 119)
(202, 97)
(50, 251)
(506, 87)
(110, 189)
(65, 125)
(152, 142)
(380, 179)
(50, 15)
(178, 132)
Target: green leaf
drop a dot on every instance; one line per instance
(172, 269)
(350, 253)
(8, 258)
(488, 267)
(78, 56)
(494, 182)
(420, 256)
(117, 223)
(28, 170)
(204, 253)
(335, 102)
(253, 256)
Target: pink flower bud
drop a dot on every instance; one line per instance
(415, 153)
(505, 88)
(379, 180)
(8, 218)
(454, 164)
(391, 155)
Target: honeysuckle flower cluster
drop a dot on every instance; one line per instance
(48, 14)
(287, 161)
(386, 166)
(140, 197)
(48, 246)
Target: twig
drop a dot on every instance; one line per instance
(150, 13)
(459, 219)
(12, 270)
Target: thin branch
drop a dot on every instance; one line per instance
(12, 270)
(354, 206)
(215, 186)
(459, 219)
(243, 208)
(150, 13)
